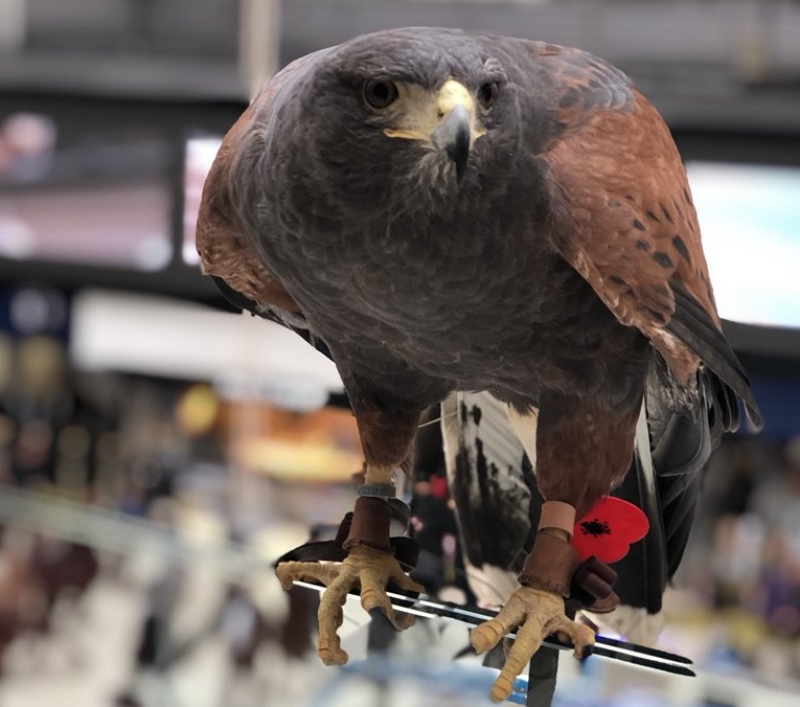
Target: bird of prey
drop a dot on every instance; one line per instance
(447, 212)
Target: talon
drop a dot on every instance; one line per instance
(332, 655)
(584, 641)
(403, 621)
(484, 637)
(502, 689)
(285, 575)
(534, 614)
(364, 568)
(330, 649)
(290, 572)
(581, 636)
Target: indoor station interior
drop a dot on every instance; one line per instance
(160, 449)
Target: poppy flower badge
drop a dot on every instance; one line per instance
(608, 530)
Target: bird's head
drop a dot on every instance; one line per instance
(446, 120)
(417, 113)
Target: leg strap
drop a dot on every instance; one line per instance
(403, 548)
(553, 566)
(550, 565)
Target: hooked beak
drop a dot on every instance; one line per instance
(454, 136)
(448, 123)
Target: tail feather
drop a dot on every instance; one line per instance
(692, 325)
(497, 502)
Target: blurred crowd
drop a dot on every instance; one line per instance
(153, 451)
(163, 452)
(743, 565)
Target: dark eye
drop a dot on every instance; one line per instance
(487, 94)
(380, 94)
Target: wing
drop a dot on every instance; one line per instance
(224, 251)
(670, 456)
(222, 240)
(623, 217)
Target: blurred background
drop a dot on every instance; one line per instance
(158, 452)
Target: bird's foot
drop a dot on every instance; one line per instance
(366, 569)
(535, 614)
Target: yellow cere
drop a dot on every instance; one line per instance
(419, 113)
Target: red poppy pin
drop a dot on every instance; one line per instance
(608, 530)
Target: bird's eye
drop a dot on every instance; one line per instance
(380, 94)
(487, 94)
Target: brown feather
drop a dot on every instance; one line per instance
(223, 248)
(584, 84)
(628, 225)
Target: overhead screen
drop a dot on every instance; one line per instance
(84, 196)
(750, 219)
(749, 215)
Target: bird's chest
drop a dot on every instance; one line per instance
(458, 279)
(454, 300)
(478, 299)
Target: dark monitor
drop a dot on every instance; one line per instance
(85, 196)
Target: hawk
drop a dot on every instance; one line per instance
(447, 212)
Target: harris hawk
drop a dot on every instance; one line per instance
(447, 212)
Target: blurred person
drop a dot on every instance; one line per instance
(435, 532)
(740, 479)
(21, 595)
(777, 498)
(63, 568)
(780, 587)
(736, 557)
(242, 627)
(27, 141)
(40, 401)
